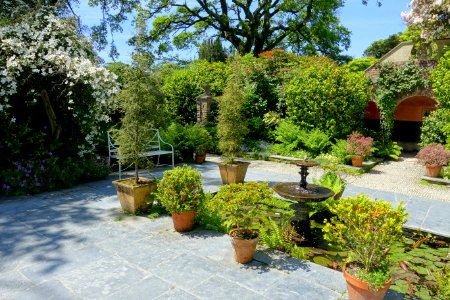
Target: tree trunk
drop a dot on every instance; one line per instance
(56, 128)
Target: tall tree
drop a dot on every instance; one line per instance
(304, 26)
(212, 51)
(381, 47)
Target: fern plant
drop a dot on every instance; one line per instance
(280, 237)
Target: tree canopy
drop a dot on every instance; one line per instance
(305, 26)
(381, 47)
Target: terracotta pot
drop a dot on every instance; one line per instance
(133, 198)
(233, 173)
(357, 161)
(359, 290)
(183, 221)
(199, 158)
(433, 170)
(244, 250)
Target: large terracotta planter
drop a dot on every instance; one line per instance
(183, 221)
(433, 170)
(357, 161)
(133, 198)
(244, 250)
(359, 290)
(199, 158)
(233, 173)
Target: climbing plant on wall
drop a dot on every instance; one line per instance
(393, 82)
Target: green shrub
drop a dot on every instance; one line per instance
(180, 189)
(247, 204)
(440, 81)
(293, 139)
(435, 128)
(325, 96)
(186, 140)
(361, 64)
(389, 150)
(443, 283)
(339, 150)
(199, 139)
(332, 181)
(289, 135)
(366, 227)
(315, 142)
(176, 135)
(445, 173)
(183, 86)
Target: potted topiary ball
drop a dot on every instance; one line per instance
(366, 228)
(232, 126)
(433, 156)
(358, 146)
(180, 191)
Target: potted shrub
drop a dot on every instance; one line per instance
(358, 146)
(433, 156)
(201, 141)
(240, 204)
(140, 102)
(232, 127)
(180, 191)
(366, 228)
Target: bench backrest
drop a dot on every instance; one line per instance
(113, 148)
(155, 140)
(153, 144)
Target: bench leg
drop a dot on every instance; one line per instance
(173, 161)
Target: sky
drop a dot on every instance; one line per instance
(366, 23)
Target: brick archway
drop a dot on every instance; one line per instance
(408, 116)
(414, 108)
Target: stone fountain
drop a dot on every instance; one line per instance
(302, 193)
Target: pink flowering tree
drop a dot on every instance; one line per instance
(432, 17)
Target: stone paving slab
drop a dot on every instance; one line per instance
(76, 244)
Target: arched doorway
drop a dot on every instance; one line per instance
(408, 116)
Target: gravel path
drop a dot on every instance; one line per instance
(402, 176)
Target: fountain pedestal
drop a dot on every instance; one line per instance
(302, 193)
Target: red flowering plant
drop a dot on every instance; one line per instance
(359, 145)
(433, 154)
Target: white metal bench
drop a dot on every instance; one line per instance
(153, 146)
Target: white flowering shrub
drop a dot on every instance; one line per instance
(432, 17)
(53, 96)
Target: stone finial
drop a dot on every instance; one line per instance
(204, 105)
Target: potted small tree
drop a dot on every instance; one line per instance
(180, 192)
(433, 156)
(142, 108)
(201, 141)
(358, 146)
(232, 127)
(240, 204)
(366, 228)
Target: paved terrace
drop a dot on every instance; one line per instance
(76, 244)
